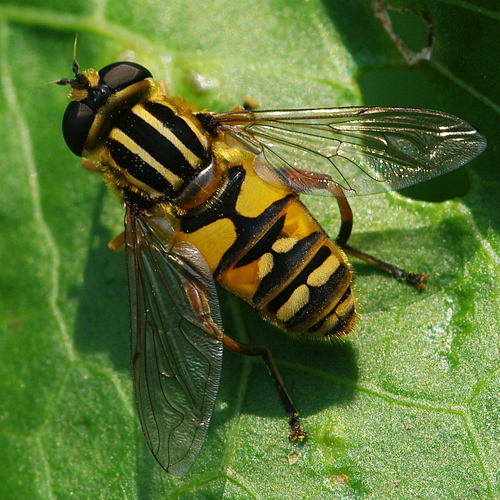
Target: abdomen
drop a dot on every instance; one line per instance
(264, 246)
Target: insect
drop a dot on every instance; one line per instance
(213, 198)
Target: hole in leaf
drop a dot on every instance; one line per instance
(411, 29)
(413, 88)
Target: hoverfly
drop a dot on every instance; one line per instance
(213, 198)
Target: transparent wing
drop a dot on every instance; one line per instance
(364, 150)
(176, 340)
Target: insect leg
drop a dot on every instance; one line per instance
(296, 429)
(311, 181)
(345, 216)
(417, 280)
(91, 166)
(117, 242)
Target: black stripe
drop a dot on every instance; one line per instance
(224, 207)
(313, 264)
(284, 266)
(340, 324)
(319, 297)
(177, 126)
(263, 245)
(344, 297)
(248, 228)
(344, 320)
(157, 145)
(138, 168)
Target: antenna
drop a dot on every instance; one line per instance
(75, 67)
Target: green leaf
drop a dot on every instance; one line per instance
(406, 407)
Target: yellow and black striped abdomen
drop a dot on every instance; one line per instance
(263, 245)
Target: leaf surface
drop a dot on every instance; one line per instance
(406, 407)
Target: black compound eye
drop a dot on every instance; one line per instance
(122, 74)
(77, 121)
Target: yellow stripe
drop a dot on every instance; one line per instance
(266, 263)
(329, 324)
(118, 135)
(190, 157)
(284, 245)
(213, 249)
(298, 299)
(321, 274)
(345, 307)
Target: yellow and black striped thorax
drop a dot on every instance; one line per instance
(144, 141)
